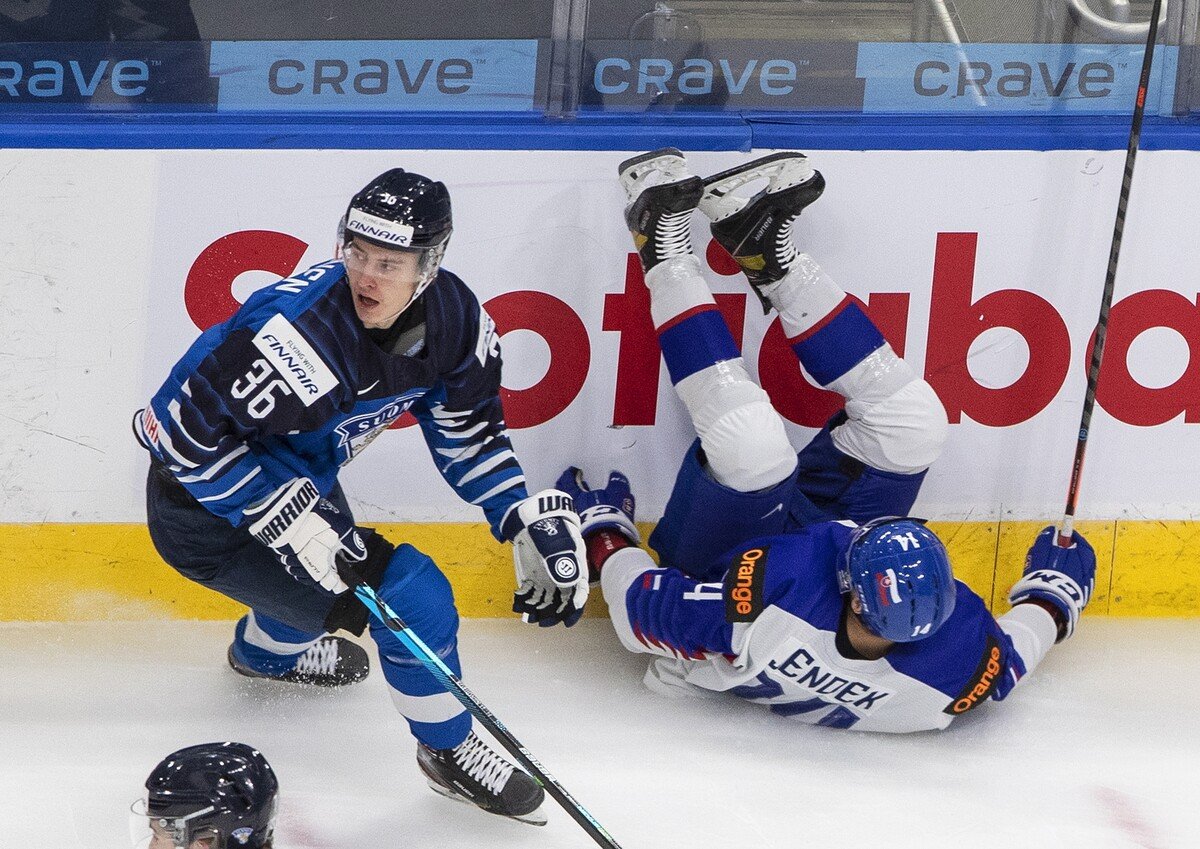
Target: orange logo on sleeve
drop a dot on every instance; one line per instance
(744, 585)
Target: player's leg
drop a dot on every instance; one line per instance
(742, 445)
(456, 762)
(870, 460)
(285, 636)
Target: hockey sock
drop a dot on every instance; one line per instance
(269, 646)
(434, 716)
(826, 329)
(421, 596)
(842, 339)
(745, 445)
(691, 331)
(805, 297)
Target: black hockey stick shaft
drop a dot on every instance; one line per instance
(1110, 280)
(429, 659)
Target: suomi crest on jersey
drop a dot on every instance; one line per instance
(357, 432)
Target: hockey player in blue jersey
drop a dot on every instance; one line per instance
(784, 578)
(252, 425)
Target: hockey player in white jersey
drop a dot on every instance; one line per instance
(252, 426)
(791, 579)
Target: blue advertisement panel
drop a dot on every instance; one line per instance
(727, 75)
(98, 76)
(385, 76)
(1021, 79)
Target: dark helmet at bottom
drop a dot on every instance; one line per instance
(402, 211)
(224, 794)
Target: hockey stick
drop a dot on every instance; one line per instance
(1110, 280)
(379, 608)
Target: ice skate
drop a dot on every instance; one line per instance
(662, 196)
(757, 230)
(329, 662)
(472, 773)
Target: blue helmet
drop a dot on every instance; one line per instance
(900, 572)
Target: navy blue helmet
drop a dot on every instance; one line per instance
(402, 211)
(222, 794)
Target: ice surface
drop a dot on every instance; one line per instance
(1094, 751)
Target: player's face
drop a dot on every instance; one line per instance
(162, 839)
(382, 281)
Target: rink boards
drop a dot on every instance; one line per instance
(982, 268)
(57, 572)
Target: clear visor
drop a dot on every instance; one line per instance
(153, 832)
(430, 258)
(417, 266)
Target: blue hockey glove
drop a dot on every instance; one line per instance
(610, 508)
(307, 533)
(1064, 577)
(548, 553)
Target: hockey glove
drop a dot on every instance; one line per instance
(610, 508)
(307, 533)
(552, 577)
(1064, 577)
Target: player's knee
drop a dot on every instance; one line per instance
(415, 588)
(904, 433)
(747, 448)
(926, 427)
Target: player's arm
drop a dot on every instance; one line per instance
(1047, 600)
(463, 423)
(654, 610)
(205, 422)
(1055, 587)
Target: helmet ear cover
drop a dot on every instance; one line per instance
(900, 573)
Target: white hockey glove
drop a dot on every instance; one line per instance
(552, 576)
(307, 533)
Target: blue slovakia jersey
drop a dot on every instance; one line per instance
(292, 386)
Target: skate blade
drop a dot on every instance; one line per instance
(781, 171)
(535, 817)
(664, 153)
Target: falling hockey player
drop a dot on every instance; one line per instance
(788, 579)
(252, 425)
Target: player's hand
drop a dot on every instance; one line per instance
(552, 575)
(308, 534)
(610, 508)
(1064, 577)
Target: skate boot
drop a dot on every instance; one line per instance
(662, 196)
(330, 662)
(757, 231)
(471, 772)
